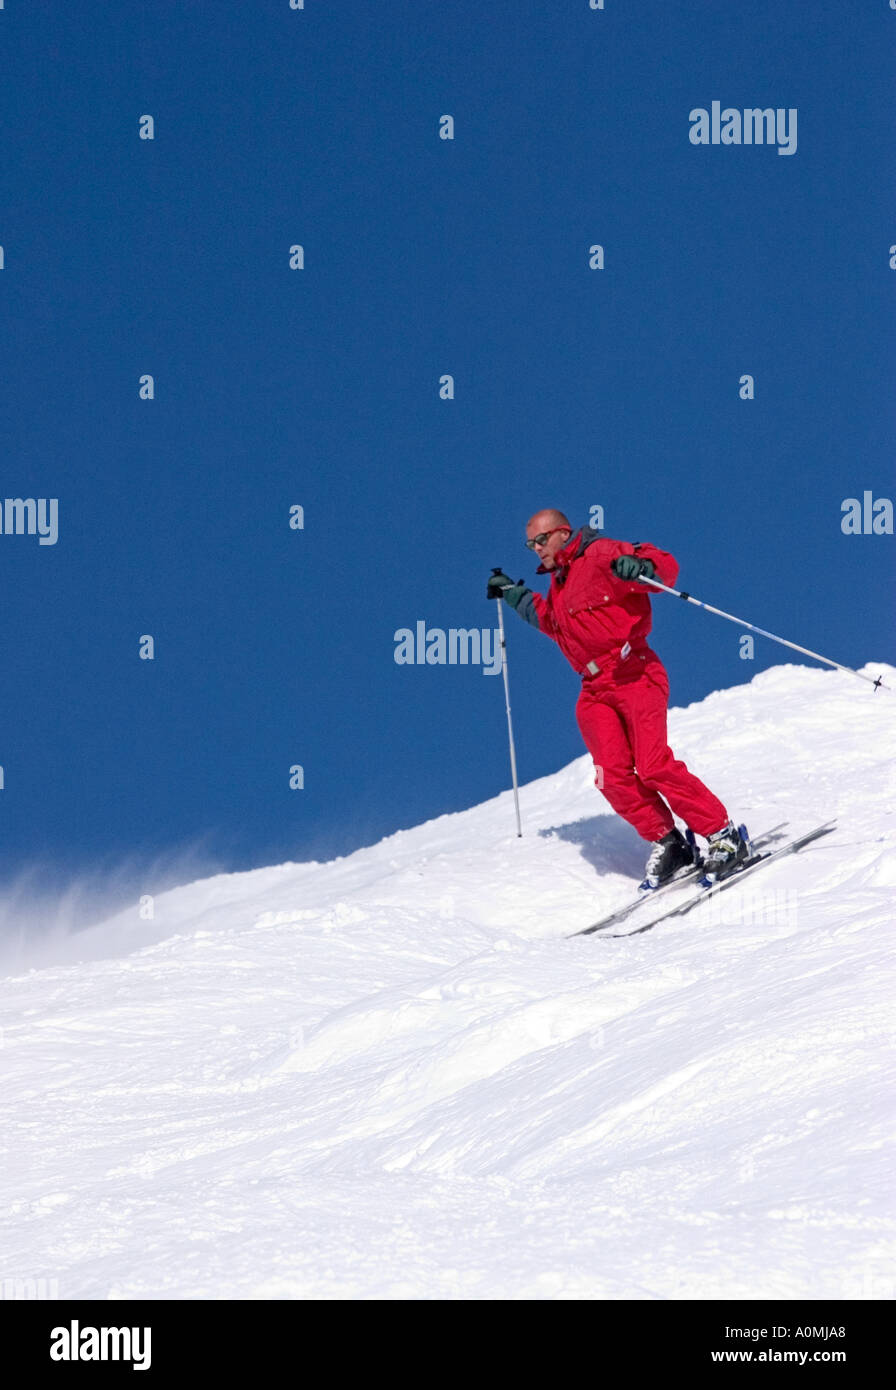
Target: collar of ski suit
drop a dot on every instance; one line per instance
(575, 546)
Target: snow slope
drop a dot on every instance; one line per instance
(394, 1076)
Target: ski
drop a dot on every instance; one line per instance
(621, 913)
(749, 866)
(684, 876)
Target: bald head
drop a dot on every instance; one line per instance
(554, 527)
(546, 519)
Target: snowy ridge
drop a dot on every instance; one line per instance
(393, 1076)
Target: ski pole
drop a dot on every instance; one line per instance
(516, 798)
(761, 630)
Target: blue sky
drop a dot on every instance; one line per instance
(320, 388)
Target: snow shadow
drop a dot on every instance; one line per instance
(607, 843)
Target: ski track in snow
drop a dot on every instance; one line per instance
(394, 1076)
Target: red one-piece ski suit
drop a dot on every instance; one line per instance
(600, 623)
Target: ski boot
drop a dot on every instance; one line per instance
(667, 856)
(725, 851)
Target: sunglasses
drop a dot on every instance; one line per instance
(542, 539)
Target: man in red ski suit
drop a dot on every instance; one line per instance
(599, 615)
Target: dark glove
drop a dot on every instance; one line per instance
(631, 567)
(498, 582)
(502, 586)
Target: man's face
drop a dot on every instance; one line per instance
(555, 539)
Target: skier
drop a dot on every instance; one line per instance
(599, 616)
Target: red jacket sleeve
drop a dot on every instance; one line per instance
(545, 617)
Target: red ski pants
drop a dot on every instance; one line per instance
(622, 716)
